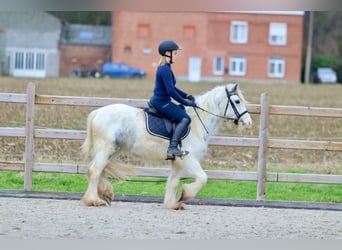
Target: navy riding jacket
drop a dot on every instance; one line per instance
(165, 86)
(164, 90)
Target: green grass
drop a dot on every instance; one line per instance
(223, 189)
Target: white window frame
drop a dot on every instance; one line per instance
(276, 67)
(278, 34)
(29, 63)
(238, 66)
(239, 32)
(218, 66)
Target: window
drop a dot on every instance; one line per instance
(218, 66)
(276, 67)
(86, 34)
(278, 34)
(237, 66)
(127, 50)
(40, 61)
(19, 60)
(189, 32)
(144, 30)
(29, 60)
(238, 32)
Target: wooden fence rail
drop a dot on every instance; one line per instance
(263, 142)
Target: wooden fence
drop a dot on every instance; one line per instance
(263, 142)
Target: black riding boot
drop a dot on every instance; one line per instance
(180, 129)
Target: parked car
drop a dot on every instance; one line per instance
(122, 70)
(325, 75)
(85, 73)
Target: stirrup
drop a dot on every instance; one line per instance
(173, 157)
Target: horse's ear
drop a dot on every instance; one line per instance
(235, 87)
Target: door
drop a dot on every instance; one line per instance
(194, 69)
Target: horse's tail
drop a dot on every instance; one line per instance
(87, 146)
(114, 168)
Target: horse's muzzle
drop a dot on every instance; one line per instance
(247, 125)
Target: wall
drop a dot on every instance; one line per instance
(2, 52)
(30, 31)
(81, 57)
(212, 32)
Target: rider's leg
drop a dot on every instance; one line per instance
(177, 113)
(176, 137)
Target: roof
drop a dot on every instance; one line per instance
(29, 21)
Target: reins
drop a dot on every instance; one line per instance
(219, 116)
(229, 101)
(199, 118)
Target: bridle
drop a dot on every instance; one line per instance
(238, 115)
(229, 101)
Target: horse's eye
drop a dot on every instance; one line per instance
(237, 101)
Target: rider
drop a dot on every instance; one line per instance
(164, 90)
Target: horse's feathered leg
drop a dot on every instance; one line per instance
(190, 191)
(171, 187)
(106, 189)
(91, 197)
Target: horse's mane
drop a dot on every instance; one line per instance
(240, 94)
(218, 94)
(214, 101)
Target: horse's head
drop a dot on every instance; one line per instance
(236, 107)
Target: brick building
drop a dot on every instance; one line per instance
(83, 47)
(234, 45)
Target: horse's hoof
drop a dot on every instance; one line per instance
(181, 207)
(108, 201)
(95, 203)
(101, 203)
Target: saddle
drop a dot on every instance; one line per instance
(160, 126)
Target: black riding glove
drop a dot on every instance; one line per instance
(190, 97)
(192, 103)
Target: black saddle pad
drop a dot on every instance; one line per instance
(160, 126)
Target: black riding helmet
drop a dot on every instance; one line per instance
(167, 45)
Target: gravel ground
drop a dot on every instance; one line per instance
(28, 218)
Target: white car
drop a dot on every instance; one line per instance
(325, 75)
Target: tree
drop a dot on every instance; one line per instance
(326, 41)
(85, 17)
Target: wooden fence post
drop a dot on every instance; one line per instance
(263, 141)
(29, 131)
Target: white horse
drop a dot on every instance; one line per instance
(116, 128)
